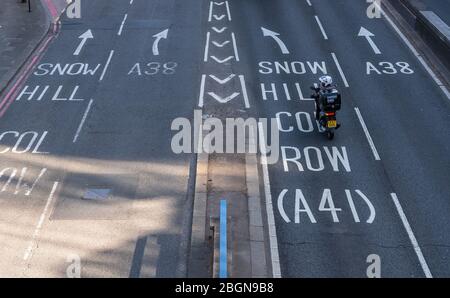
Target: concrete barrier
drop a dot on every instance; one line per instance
(434, 31)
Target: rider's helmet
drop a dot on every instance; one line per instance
(326, 81)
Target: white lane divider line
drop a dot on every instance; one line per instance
(233, 37)
(106, 65)
(412, 238)
(275, 258)
(325, 36)
(37, 230)
(369, 138)
(201, 97)
(309, 2)
(205, 58)
(244, 91)
(80, 127)
(210, 11)
(414, 51)
(228, 11)
(344, 79)
(131, 2)
(121, 25)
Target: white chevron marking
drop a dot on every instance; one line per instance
(223, 100)
(222, 60)
(220, 45)
(224, 81)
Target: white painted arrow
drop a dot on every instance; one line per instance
(368, 35)
(274, 35)
(84, 37)
(159, 36)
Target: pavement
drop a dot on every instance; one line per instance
(20, 32)
(89, 175)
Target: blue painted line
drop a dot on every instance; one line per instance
(223, 272)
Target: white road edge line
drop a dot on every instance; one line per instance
(414, 51)
(275, 258)
(37, 230)
(344, 79)
(80, 127)
(106, 65)
(369, 138)
(325, 36)
(121, 25)
(411, 236)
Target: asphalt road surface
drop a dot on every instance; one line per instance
(92, 124)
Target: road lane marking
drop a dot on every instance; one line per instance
(161, 35)
(80, 127)
(220, 45)
(221, 61)
(415, 53)
(244, 91)
(202, 92)
(106, 65)
(205, 58)
(219, 30)
(275, 258)
(344, 79)
(235, 46)
(325, 36)
(121, 25)
(274, 35)
(228, 11)
(412, 238)
(363, 32)
(369, 138)
(29, 251)
(131, 2)
(84, 37)
(222, 81)
(309, 2)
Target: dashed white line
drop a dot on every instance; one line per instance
(309, 2)
(275, 258)
(325, 36)
(37, 230)
(369, 138)
(80, 127)
(412, 238)
(344, 79)
(106, 65)
(121, 25)
(415, 53)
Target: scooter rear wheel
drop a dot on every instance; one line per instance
(330, 135)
